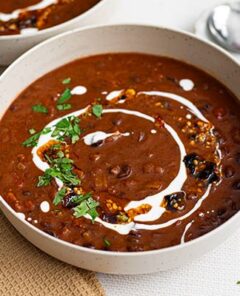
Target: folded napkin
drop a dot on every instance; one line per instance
(25, 270)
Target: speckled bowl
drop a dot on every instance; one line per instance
(119, 38)
(12, 46)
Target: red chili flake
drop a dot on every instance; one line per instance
(159, 122)
(219, 112)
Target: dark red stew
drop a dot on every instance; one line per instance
(123, 152)
(22, 16)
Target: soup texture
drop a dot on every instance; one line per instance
(30, 16)
(122, 152)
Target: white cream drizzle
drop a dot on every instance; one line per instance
(95, 137)
(185, 231)
(186, 84)
(114, 94)
(79, 90)
(154, 200)
(45, 207)
(5, 17)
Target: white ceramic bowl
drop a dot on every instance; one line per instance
(12, 46)
(119, 38)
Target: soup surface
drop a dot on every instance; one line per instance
(29, 16)
(122, 152)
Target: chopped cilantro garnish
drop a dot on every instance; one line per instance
(107, 243)
(67, 127)
(32, 131)
(60, 154)
(32, 141)
(81, 197)
(65, 96)
(62, 169)
(63, 107)
(59, 196)
(66, 80)
(40, 108)
(87, 206)
(97, 110)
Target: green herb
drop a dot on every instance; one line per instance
(97, 110)
(63, 107)
(81, 197)
(40, 108)
(67, 127)
(32, 141)
(55, 147)
(87, 206)
(62, 169)
(66, 80)
(60, 154)
(238, 282)
(65, 96)
(59, 196)
(107, 243)
(32, 131)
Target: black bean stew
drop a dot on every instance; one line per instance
(24, 16)
(123, 152)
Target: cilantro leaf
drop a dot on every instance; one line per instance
(59, 196)
(107, 243)
(32, 131)
(66, 80)
(40, 108)
(97, 110)
(65, 96)
(32, 141)
(87, 206)
(68, 127)
(62, 169)
(63, 107)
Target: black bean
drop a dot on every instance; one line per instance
(208, 173)
(228, 171)
(68, 201)
(13, 107)
(125, 172)
(238, 157)
(175, 201)
(109, 218)
(236, 185)
(26, 193)
(117, 121)
(189, 162)
(97, 144)
(115, 170)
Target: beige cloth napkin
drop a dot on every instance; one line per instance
(26, 271)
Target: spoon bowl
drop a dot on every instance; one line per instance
(224, 26)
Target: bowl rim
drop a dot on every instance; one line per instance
(53, 29)
(63, 243)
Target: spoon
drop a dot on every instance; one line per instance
(224, 25)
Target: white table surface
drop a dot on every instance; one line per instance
(216, 273)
